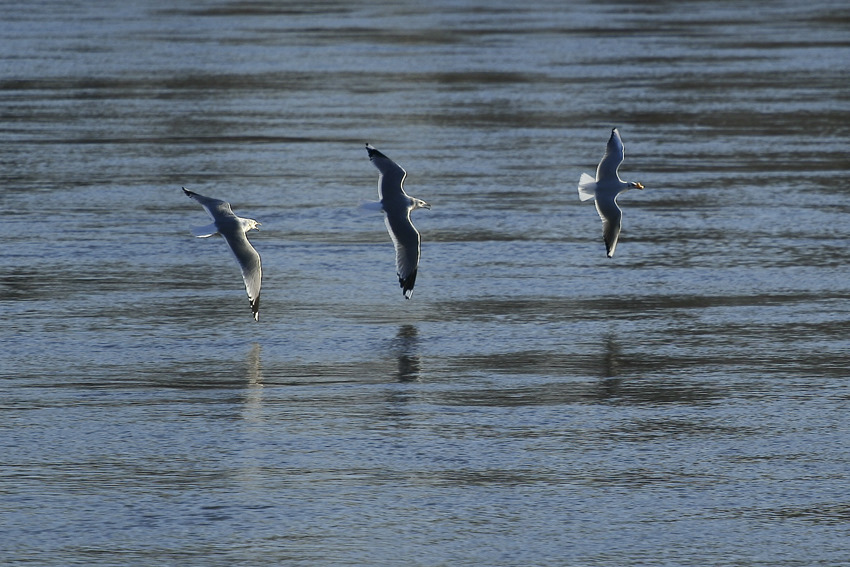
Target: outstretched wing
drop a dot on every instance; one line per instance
(215, 208)
(249, 263)
(392, 176)
(612, 217)
(407, 245)
(612, 159)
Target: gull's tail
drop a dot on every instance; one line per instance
(374, 206)
(586, 187)
(205, 231)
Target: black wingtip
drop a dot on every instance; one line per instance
(407, 284)
(188, 193)
(373, 153)
(255, 309)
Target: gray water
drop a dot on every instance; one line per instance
(535, 403)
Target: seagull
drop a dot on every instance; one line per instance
(397, 205)
(605, 190)
(234, 229)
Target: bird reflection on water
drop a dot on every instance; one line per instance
(407, 350)
(610, 371)
(253, 396)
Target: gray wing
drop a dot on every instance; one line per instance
(392, 176)
(612, 159)
(249, 262)
(612, 217)
(216, 209)
(406, 240)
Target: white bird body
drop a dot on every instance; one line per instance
(606, 188)
(234, 228)
(397, 205)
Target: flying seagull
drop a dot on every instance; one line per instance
(234, 229)
(396, 204)
(605, 190)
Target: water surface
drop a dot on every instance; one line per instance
(535, 403)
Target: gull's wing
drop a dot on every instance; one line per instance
(612, 159)
(406, 240)
(249, 262)
(392, 176)
(612, 217)
(215, 208)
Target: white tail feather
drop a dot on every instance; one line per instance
(205, 231)
(374, 206)
(586, 187)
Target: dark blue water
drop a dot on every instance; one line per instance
(535, 403)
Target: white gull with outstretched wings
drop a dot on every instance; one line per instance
(234, 229)
(606, 188)
(397, 205)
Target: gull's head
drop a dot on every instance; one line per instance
(420, 204)
(635, 185)
(249, 224)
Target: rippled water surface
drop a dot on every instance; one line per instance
(535, 403)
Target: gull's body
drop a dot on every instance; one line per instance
(396, 204)
(234, 230)
(605, 190)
